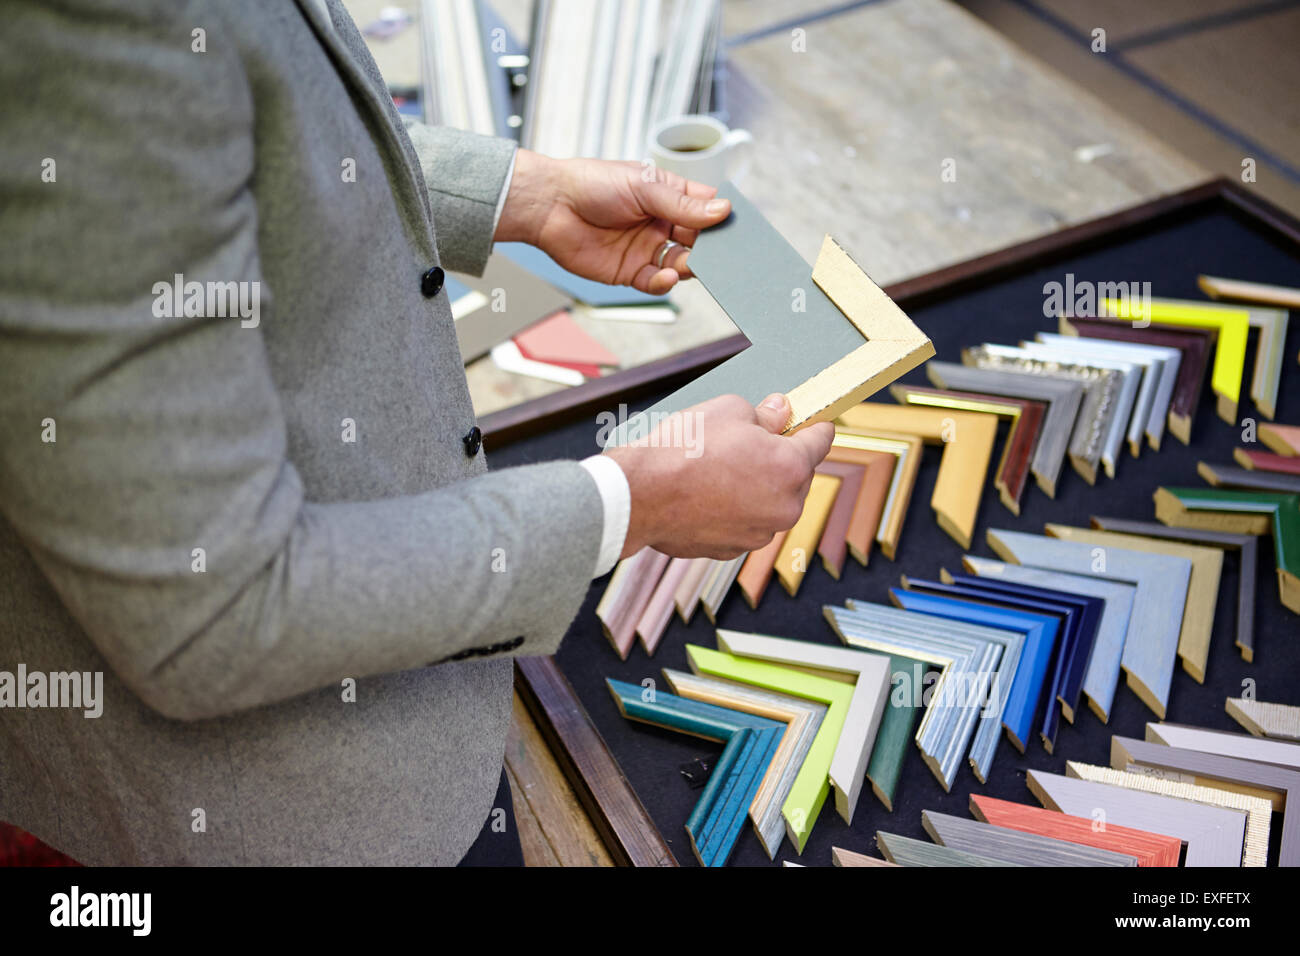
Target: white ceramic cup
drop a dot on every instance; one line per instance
(701, 148)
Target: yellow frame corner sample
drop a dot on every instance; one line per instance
(967, 439)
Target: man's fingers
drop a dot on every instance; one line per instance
(815, 441)
(650, 278)
(773, 412)
(680, 208)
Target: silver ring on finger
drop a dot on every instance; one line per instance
(664, 249)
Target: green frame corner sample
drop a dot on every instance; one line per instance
(871, 682)
(1214, 836)
(1025, 424)
(1102, 676)
(802, 719)
(1151, 648)
(1063, 399)
(1232, 324)
(1254, 850)
(967, 441)
(812, 783)
(1150, 849)
(1279, 785)
(848, 341)
(1202, 587)
(971, 659)
(904, 851)
(1098, 432)
(1246, 545)
(1282, 510)
(748, 745)
(1015, 846)
(1281, 753)
(1277, 721)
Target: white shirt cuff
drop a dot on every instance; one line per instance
(616, 497)
(505, 190)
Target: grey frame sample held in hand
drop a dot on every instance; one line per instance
(759, 280)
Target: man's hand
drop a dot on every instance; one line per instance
(719, 479)
(608, 220)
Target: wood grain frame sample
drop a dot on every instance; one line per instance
(1242, 746)
(1196, 346)
(1214, 835)
(718, 585)
(1283, 439)
(1102, 676)
(756, 573)
(1149, 849)
(1025, 424)
(967, 441)
(1245, 545)
(1282, 510)
(842, 857)
(1156, 394)
(1063, 400)
(812, 783)
(654, 620)
(1266, 461)
(1161, 591)
(1240, 290)
(1278, 784)
(974, 694)
(748, 744)
(870, 674)
(904, 851)
(907, 451)
(1279, 721)
(864, 523)
(1202, 587)
(1232, 325)
(802, 719)
(687, 596)
(849, 341)
(626, 597)
(1254, 851)
(1015, 846)
(1096, 438)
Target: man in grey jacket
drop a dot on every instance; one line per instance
(239, 472)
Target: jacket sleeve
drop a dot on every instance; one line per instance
(143, 456)
(465, 174)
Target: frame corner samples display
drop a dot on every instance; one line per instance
(828, 337)
(796, 716)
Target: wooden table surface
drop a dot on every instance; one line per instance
(851, 138)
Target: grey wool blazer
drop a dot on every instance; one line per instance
(236, 519)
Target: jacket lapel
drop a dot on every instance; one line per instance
(351, 58)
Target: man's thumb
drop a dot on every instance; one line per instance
(773, 413)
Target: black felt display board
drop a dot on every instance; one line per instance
(1169, 254)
